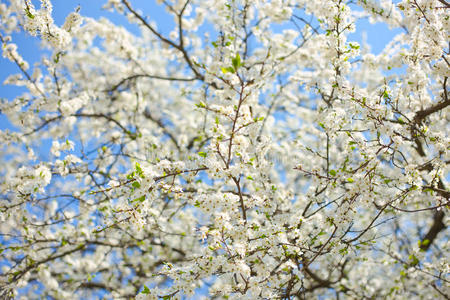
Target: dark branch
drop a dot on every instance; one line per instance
(438, 226)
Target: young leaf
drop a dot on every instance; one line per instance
(236, 61)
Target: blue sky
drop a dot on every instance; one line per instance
(29, 47)
(378, 35)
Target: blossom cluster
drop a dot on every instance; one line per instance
(254, 151)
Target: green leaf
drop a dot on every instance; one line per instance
(343, 251)
(353, 46)
(228, 70)
(140, 199)
(146, 290)
(136, 185)
(56, 60)
(236, 61)
(202, 154)
(138, 168)
(28, 13)
(332, 172)
(424, 243)
(400, 120)
(201, 104)
(414, 260)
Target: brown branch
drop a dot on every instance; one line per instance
(241, 100)
(321, 248)
(17, 276)
(104, 117)
(149, 116)
(131, 77)
(27, 75)
(446, 4)
(320, 281)
(45, 123)
(157, 178)
(433, 285)
(241, 199)
(85, 115)
(420, 209)
(179, 47)
(438, 226)
(179, 172)
(422, 114)
(368, 227)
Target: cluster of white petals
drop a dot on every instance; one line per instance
(256, 150)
